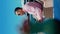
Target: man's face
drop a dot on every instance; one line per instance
(19, 12)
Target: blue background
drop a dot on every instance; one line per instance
(57, 9)
(9, 21)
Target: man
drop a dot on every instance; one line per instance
(33, 9)
(36, 23)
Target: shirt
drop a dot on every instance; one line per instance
(33, 8)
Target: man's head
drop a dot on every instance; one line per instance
(19, 11)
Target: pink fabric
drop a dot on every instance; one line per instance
(33, 8)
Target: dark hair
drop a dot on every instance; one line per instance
(17, 8)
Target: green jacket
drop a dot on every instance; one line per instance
(47, 26)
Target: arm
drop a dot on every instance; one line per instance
(26, 27)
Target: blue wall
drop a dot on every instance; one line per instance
(57, 9)
(8, 20)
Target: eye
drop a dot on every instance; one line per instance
(18, 14)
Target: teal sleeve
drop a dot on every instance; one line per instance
(47, 26)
